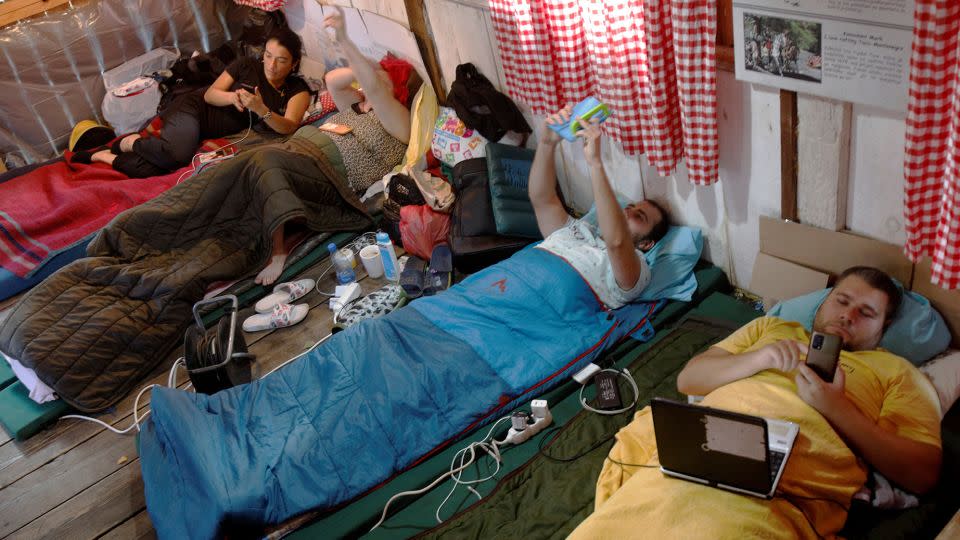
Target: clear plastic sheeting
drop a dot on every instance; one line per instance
(51, 67)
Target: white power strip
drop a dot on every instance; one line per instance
(467, 456)
(541, 419)
(343, 295)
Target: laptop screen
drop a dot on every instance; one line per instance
(720, 447)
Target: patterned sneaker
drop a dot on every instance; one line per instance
(377, 303)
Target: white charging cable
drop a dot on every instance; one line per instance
(633, 384)
(467, 456)
(137, 419)
(491, 449)
(194, 167)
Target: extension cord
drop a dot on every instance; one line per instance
(515, 436)
(343, 295)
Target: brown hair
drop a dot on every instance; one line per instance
(661, 227)
(879, 280)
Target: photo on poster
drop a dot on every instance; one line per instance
(783, 47)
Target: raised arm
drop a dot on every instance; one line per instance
(912, 465)
(393, 115)
(340, 84)
(542, 184)
(716, 367)
(613, 224)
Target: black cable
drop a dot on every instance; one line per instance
(621, 464)
(543, 452)
(544, 440)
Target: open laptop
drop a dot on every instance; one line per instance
(724, 449)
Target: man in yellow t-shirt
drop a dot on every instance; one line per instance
(878, 411)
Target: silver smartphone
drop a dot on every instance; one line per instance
(823, 354)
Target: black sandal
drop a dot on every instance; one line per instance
(412, 277)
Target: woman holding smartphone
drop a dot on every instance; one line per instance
(265, 94)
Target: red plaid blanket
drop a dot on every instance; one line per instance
(652, 63)
(55, 206)
(932, 153)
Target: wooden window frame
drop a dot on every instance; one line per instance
(725, 35)
(12, 11)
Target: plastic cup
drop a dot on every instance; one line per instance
(370, 257)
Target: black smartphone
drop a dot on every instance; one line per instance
(248, 88)
(823, 354)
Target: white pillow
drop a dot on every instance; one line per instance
(944, 372)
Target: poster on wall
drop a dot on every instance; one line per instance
(851, 50)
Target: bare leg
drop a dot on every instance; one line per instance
(126, 143)
(278, 256)
(103, 156)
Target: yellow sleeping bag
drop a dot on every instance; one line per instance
(821, 475)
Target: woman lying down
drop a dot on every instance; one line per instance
(266, 95)
(372, 129)
(152, 263)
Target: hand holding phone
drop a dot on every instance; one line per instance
(823, 354)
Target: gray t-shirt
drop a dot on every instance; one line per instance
(580, 244)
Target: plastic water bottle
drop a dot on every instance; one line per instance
(389, 257)
(341, 265)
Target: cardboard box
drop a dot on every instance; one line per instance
(776, 279)
(830, 251)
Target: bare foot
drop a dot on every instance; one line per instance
(103, 156)
(126, 143)
(273, 270)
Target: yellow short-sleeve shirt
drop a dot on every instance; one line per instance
(884, 386)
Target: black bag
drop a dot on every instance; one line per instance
(474, 241)
(482, 107)
(404, 190)
(257, 27)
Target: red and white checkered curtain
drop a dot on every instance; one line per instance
(932, 207)
(266, 5)
(651, 61)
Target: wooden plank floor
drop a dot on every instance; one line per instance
(78, 480)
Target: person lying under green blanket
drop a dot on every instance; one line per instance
(609, 259)
(370, 131)
(879, 411)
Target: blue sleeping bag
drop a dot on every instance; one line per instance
(374, 399)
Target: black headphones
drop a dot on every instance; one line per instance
(217, 358)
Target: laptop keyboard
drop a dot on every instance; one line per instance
(776, 459)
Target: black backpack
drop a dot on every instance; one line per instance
(474, 241)
(482, 107)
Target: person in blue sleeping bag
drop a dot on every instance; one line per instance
(608, 254)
